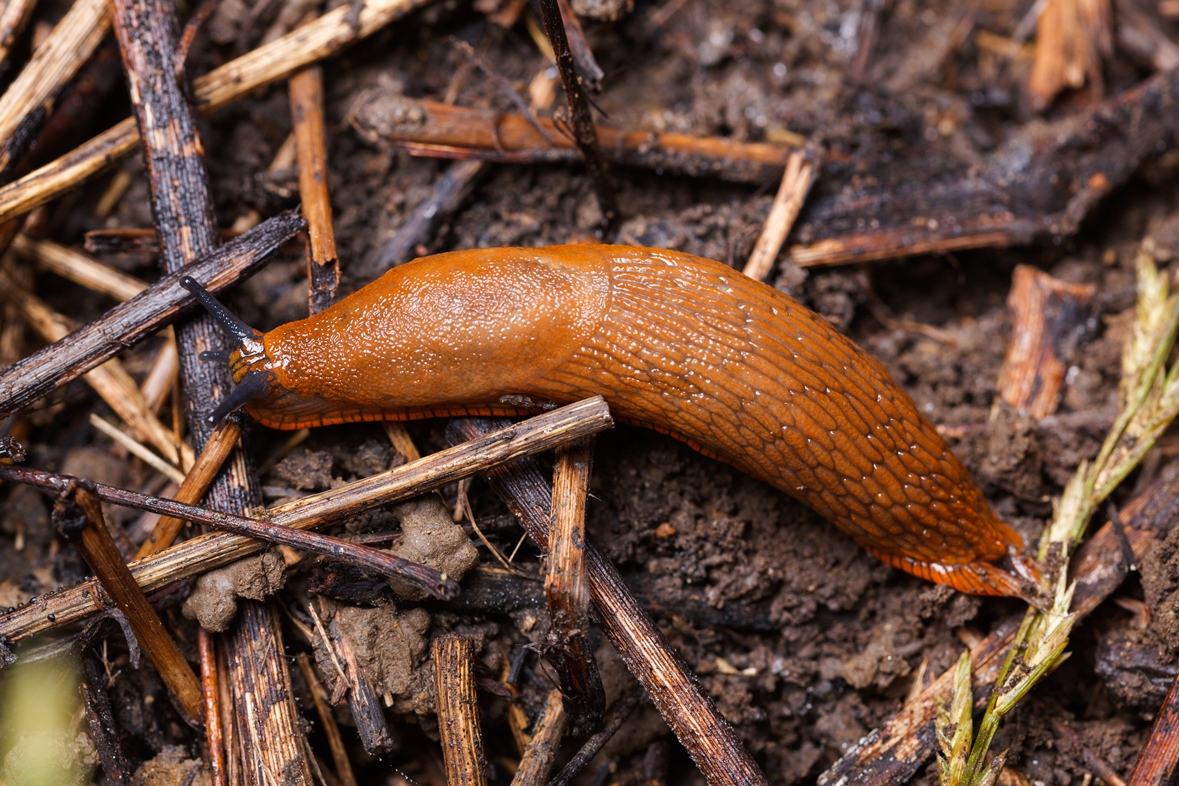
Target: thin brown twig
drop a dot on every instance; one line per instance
(211, 693)
(193, 486)
(205, 552)
(188, 35)
(445, 131)
(584, 132)
(544, 744)
(711, 742)
(619, 712)
(381, 562)
(796, 184)
(323, 266)
(78, 516)
(583, 55)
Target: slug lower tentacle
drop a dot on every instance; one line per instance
(674, 342)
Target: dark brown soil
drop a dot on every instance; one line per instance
(805, 642)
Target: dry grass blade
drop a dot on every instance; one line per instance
(32, 94)
(78, 267)
(110, 380)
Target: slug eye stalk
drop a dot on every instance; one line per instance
(252, 383)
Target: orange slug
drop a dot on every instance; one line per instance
(674, 342)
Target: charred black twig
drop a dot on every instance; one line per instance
(583, 119)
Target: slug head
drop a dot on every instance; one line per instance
(247, 360)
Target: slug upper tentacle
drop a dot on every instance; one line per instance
(675, 342)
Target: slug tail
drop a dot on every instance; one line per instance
(975, 578)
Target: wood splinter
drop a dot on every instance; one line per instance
(567, 588)
(1049, 317)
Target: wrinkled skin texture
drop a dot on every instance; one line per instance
(677, 343)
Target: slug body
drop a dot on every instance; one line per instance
(677, 343)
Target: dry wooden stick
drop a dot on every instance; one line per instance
(32, 95)
(381, 562)
(211, 695)
(78, 516)
(78, 267)
(709, 739)
(543, 746)
(445, 131)
(271, 741)
(363, 702)
(894, 752)
(110, 380)
(137, 449)
(274, 751)
(584, 132)
(1048, 317)
(567, 588)
(41, 373)
(1159, 758)
(14, 15)
(205, 552)
(1009, 198)
(328, 721)
(193, 486)
(277, 60)
(619, 712)
(458, 710)
(323, 267)
(796, 184)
